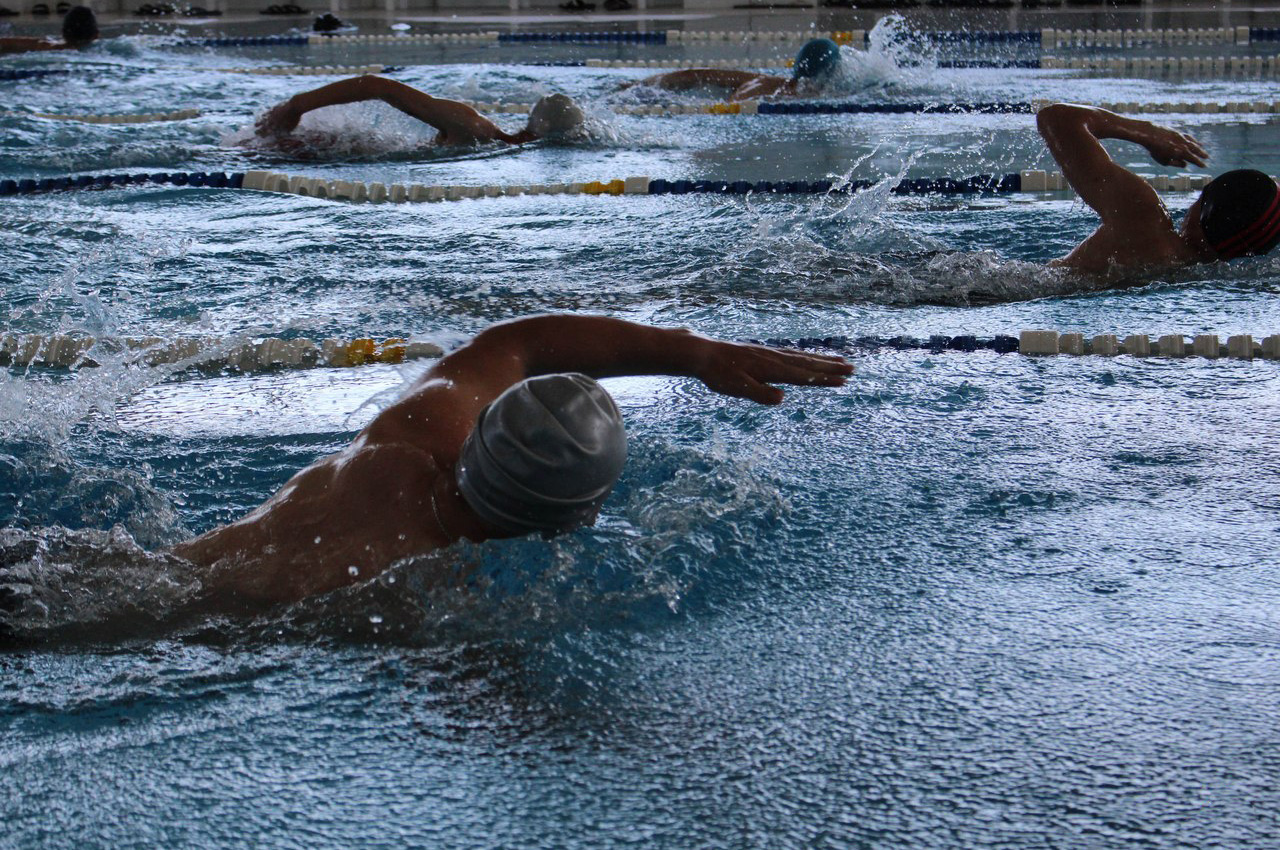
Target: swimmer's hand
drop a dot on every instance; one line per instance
(279, 120)
(746, 371)
(1169, 147)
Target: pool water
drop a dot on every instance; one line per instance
(966, 600)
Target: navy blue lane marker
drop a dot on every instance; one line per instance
(978, 184)
(1264, 33)
(1000, 343)
(250, 41)
(802, 108)
(29, 73)
(31, 186)
(585, 37)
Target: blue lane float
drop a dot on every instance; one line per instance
(811, 108)
(251, 41)
(31, 73)
(32, 186)
(1000, 344)
(657, 38)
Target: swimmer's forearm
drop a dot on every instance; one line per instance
(599, 346)
(694, 77)
(604, 347)
(1057, 122)
(352, 90)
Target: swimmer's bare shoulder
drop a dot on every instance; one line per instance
(365, 507)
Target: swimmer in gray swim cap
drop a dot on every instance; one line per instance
(508, 435)
(554, 116)
(815, 64)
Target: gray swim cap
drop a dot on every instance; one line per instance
(544, 455)
(555, 115)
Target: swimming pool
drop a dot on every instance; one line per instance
(970, 599)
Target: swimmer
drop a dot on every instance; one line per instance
(554, 116)
(1237, 214)
(814, 65)
(79, 29)
(506, 436)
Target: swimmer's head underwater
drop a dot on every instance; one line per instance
(555, 116)
(79, 27)
(818, 59)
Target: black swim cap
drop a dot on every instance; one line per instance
(1240, 213)
(80, 26)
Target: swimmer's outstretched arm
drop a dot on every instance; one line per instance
(444, 115)
(604, 347)
(21, 44)
(692, 78)
(1073, 135)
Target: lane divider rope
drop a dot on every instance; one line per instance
(180, 115)
(678, 64)
(1047, 343)
(250, 41)
(1185, 66)
(64, 351)
(1046, 37)
(313, 70)
(753, 107)
(1027, 180)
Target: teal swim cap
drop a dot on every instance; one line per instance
(544, 455)
(817, 58)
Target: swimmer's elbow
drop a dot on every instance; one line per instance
(1057, 117)
(1051, 116)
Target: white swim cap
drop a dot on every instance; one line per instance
(544, 455)
(555, 115)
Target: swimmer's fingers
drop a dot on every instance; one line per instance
(749, 371)
(1169, 147)
(1199, 155)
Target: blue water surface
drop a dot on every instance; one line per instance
(966, 600)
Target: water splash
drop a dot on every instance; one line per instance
(95, 585)
(896, 60)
